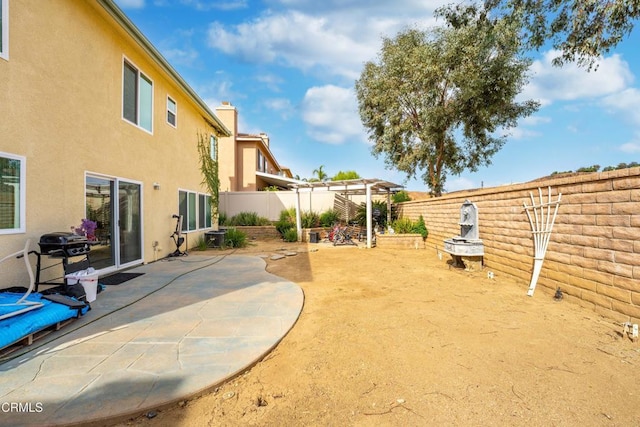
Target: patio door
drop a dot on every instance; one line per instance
(116, 206)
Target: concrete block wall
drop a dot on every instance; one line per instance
(594, 250)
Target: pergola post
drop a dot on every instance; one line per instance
(298, 216)
(369, 221)
(388, 206)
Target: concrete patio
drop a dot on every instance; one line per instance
(180, 329)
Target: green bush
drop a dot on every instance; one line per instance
(201, 244)
(329, 217)
(309, 220)
(222, 218)
(247, 219)
(234, 238)
(290, 235)
(402, 226)
(400, 196)
(287, 221)
(381, 206)
(421, 228)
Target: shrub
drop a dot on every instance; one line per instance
(329, 217)
(309, 219)
(376, 205)
(234, 238)
(291, 235)
(222, 218)
(248, 219)
(421, 228)
(287, 221)
(201, 243)
(400, 196)
(402, 226)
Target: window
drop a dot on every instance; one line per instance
(172, 113)
(261, 162)
(213, 147)
(204, 210)
(4, 29)
(195, 210)
(12, 193)
(137, 97)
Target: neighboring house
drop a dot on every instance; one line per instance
(95, 123)
(246, 161)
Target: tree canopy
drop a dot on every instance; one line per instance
(581, 29)
(435, 100)
(344, 175)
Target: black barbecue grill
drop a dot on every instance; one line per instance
(63, 244)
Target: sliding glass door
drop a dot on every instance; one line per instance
(115, 206)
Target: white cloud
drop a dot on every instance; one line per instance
(281, 105)
(632, 147)
(272, 81)
(570, 82)
(459, 183)
(334, 39)
(130, 4)
(626, 104)
(331, 115)
(205, 6)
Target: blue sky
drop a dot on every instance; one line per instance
(289, 67)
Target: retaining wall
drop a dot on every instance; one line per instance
(593, 254)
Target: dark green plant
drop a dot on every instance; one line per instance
(287, 221)
(309, 220)
(248, 219)
(234, 238)
(329, 217)
(421, 228)
(290, 235)
(376, 206)
(222, 218)
(400, 196)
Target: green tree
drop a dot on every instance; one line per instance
(581, 29)
(400, 196)
(320, 174)
(435, 100)
(341, 176)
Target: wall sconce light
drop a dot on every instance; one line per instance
(156, 186)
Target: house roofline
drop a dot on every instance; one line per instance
(125, 23)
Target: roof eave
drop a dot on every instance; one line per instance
(118, 15)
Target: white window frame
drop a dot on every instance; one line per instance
(204, 201)
(170, 102)
(140, 75)
(20, 216)
(199, 209)
(4, 49)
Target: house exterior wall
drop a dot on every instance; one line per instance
(227, 150)
(594, 249)
(62, 111)
(269, 204)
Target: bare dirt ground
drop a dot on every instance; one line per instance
(399, 338)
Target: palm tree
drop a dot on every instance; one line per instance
(320, 174)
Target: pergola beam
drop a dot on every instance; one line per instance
(368, 187)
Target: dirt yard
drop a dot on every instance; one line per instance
(399, 338)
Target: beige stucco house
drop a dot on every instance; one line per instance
(246, 161)
(95, 123)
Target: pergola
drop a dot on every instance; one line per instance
(368, 187)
